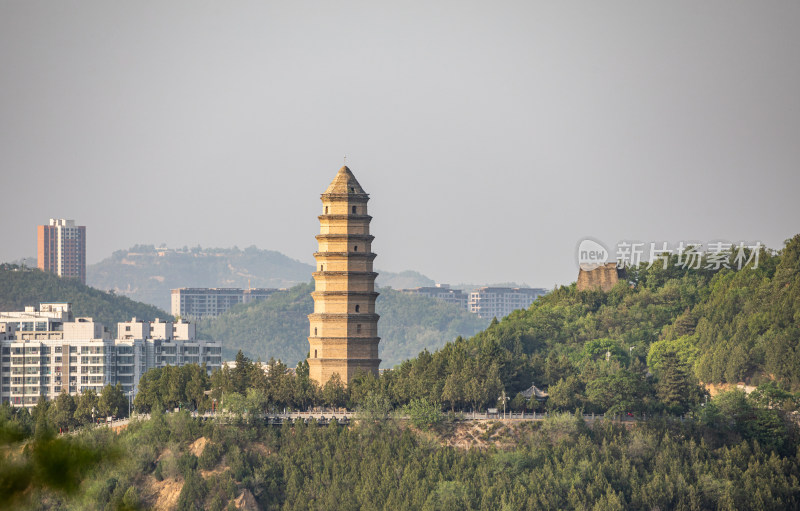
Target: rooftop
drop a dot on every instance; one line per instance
(345, 183)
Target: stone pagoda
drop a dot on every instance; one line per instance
(343, 335)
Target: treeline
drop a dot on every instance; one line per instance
(66, 411)
(250, 390)
(559, 463)
(278, 325)
(20, 287)
(247, 386)
(173, 387)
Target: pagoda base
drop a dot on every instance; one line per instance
(322, 369)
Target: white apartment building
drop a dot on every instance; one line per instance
(143, 345)
(203, 302)
(498, 302)
(442, 292)
(45, 352)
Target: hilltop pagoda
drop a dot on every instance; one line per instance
(343, 335)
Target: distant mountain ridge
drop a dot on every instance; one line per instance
(148, 273)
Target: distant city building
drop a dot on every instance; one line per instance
(61, 248)
(46, 352)
(498, 302)
(204, 302)
(444, 293)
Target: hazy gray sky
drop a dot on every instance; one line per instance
(492, 136)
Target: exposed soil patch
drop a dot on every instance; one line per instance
(717, 388)
(198, 446)
(502, 434)
(246, 501)
(163, 494)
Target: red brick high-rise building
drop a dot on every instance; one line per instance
(61, 248)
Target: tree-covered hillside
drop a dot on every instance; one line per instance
(177, 462)
(20, 287)
(278, 326)
(643, 346)
(148, 274)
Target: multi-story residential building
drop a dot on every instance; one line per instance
(61, 248)
(143, 345)
(46, 352)
(203, 302)
(442, 292)
(497, 302)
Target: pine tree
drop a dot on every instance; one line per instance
(674, 387)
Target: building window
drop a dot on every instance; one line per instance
(358, 308)
(315, 333)
(315, 353)
(354, 210)
(358, 329)
(326, 210)
(355, 248)
(321, 267)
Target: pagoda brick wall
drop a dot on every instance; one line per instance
(343, 336)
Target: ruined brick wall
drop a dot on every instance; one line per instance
(604, 278)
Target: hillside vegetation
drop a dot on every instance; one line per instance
(278, 326)
(148, 274)
(24, 286)
(173, 461)
(642, 347)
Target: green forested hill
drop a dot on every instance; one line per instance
(278, 326)
(148, 274)
(20, 287)
(176, 462)
(642, 346)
